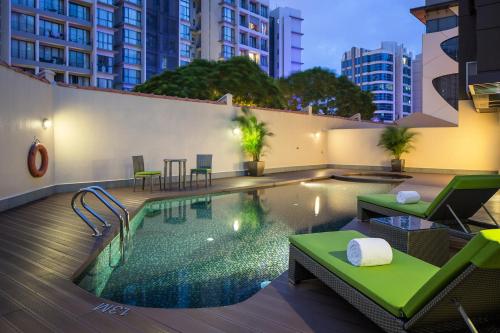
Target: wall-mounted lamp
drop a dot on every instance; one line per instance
(46, 123)
(316, 206)
(237, 131)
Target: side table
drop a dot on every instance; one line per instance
(167, 169)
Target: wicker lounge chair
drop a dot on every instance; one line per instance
(458, 201)
(408, 295)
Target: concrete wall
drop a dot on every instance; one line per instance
(472, 146)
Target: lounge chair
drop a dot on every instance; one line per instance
(408, 295)
(458, 201)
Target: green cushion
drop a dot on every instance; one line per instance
(483, 251)
(389, 201)
(391, 286)
(147, 173)
(470, 182)
(199, 170)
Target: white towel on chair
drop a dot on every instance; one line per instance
(369, 252)
(407, 197)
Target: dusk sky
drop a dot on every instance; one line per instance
(331, 27)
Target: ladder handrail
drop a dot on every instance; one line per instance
(115, 201)
(78, 212)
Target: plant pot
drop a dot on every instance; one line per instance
(256, 168)
(397, 165)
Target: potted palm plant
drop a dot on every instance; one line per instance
(397, 141)
(253, 139)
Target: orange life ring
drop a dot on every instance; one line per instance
(37, 147)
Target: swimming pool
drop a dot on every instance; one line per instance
(217, 249)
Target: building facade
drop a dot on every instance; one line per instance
(226, 28)
(416, 84)
(286, 42)
(386, 73)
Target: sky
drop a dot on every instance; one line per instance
(332, 27)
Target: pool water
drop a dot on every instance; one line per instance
(219, 249)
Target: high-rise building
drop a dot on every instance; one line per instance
(285, 42)
(226, 28)
(416, 84)
(386, 73)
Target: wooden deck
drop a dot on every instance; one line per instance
(44, 245)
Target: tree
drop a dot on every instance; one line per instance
(326, 93)
(211, 80)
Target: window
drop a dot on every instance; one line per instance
(243, 38)
(104, 64)
(55, 6)
(104, 83)
(346, 63)
(406, 109)
(440, 24)
(51, 55)
(80, 36)
(21, 49)
(243, 4)
(131, 76)
(264, 11)
(26, 3)
(185, 32)
(384, 106)
(253, 26)
(375, 57)
(132, 37)
(22, 22)
(104, 18)
(132, 57)
(263, 44)
(184, 50)
(406, 80)
(184, 10)
(263, 28)
(406, 89)
(253, 7)
(447, 87)
(377, 67)
(228, 34)
(450, 47)
(79, 59)
(377, 77)
(79, 11)
(132, 16)
(229, 2)
(184, 63)
(51, 29)
(243, 21)
(104, 41)
(383, 97)
(107, 2)
(227, 15)
(264, 61)
(79, 80)
(253, 41)
(406, 99)
(227, 51)
(407, 61)
(378, 86)
(407, 71)
(135, 2)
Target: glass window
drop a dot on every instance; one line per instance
(406, 108)
(263, 28)
(184, 50)
(407, 71)
(243, 21)
(104, 18)
(450, 47)
(135, 2)
(252, 41)
(406, 80)
(375, 57)
(131, 76)
(107, 2)
(51, 55)
(51, 29)
(383, 97)
(378, 86)
(227, 14)
(377, 77)
(264, 60)
(228, 34)
(263, 44)
(21, 49)
(227, 51)
(264, 11)
(26, 3)
(132, 57)
(80, 36)
(131, 37)
(377, 67)
(79, 80)
(384, 106)
(104, 41)
(184, 10)
(243, 38)
(55, 6)
(253, 7)
(447, 87)
(132, 16)
(79, 11)
(406, 89)
(104, 83)
(79, 59)
(185, 32)
(22, 22)
(440, 24)
(104, 64)
(243, 4)
(184, 63)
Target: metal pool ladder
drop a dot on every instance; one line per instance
(103, 196)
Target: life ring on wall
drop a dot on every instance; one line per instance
(35, 148)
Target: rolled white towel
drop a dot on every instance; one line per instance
(407, 197)
(369, 252)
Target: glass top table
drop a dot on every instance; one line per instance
(409, 223)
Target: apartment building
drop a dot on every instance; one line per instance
(386, 73)
(416, 84)
(286, 42)
(226, 28)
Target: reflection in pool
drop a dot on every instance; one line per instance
(217, 249)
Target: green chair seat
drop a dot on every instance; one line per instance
(147, 173)
(201, 170)
(419, 209)
(390, 286)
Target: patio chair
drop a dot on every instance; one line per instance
(203, 167)
(407, 295)
(458, 201)
(140, 173)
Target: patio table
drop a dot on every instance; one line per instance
(419, 238)
(167, 169)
